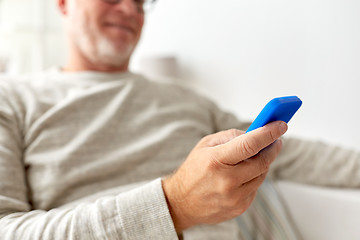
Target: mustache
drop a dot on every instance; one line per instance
(128, 21)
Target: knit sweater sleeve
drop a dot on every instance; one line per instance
(140, 213)
(317, 163)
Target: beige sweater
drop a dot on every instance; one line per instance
(82, 154)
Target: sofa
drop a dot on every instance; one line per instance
(323, 213)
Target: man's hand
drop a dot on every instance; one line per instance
(219, 179)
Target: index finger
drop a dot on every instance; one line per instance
(251, 143)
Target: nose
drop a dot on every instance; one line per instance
(128, 6)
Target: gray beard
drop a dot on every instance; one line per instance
(106, 53)
(98, 49)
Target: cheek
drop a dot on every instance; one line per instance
(79, 17)
(140, 19)
(140, 22)
(89, 13)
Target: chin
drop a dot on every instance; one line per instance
(110, 54)
(107, 50)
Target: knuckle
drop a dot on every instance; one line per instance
(226, 187)
(272, 135)
(263, 163)
(244, 204)
(206, 139)
(263, 176)
(247, 148)
(250, 199)
(235, 132)
(217, 160)
(231, 203)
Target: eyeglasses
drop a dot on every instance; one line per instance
(141, 5)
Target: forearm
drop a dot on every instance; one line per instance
(138, 214)
(317, 163)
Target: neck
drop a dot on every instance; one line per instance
(77, 62)
(74, 66)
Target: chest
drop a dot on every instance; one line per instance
(100, 142)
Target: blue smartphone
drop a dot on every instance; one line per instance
(281, 108)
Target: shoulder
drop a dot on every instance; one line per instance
(18, 92)
(8, 85)
(13, 82)
(28, 85)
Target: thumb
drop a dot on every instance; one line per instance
(249, 144)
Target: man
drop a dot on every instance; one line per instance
(89, 151)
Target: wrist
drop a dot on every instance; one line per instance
(176, 205)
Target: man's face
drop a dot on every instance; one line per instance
(104, 33)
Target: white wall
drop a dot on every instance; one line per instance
(243, 53)
(31, 35)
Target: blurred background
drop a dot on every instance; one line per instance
(239, 53)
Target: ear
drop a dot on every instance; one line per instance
(62, 6)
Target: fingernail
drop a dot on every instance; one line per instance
(283, 127)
